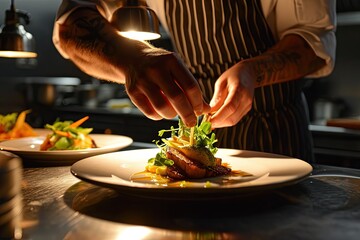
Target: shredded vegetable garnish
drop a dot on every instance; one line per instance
(13, 125)
(68, 135)
(183, 137)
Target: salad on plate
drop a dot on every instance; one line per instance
(14, 125)
(68, 135)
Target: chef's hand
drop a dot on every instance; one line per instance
(161, 86)
(233, 96)
(156, 80)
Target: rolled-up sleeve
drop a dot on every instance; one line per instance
(65, 9)
(105, 7)
(314, 20)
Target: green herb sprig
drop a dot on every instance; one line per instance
(202, 134)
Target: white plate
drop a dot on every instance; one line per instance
(120, 171)
(28, 148)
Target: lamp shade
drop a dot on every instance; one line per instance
(15, 42)
(136, 22)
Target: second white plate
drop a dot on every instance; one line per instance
(28, 148)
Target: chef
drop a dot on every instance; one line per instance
(249, 59)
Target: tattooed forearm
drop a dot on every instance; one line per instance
(289, 60)
(274, 64)
(89, 34)
(96, 48)
(88, 37)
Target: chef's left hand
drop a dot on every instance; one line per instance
(233, 96)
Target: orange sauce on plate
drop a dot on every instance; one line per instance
(236, 176)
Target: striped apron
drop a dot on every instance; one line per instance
(213, 35)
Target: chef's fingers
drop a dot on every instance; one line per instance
(160, 100)
(235, 106)
(190, 87)
(144, 105)
(231, 120)
(147, 91)
(219, 96)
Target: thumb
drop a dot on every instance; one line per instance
(217, 101)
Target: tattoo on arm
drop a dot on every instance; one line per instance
(278, 66)
(91, 34)
(273, 65)
(89, 29)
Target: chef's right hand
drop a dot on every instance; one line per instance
(156, 80)
(161, 86)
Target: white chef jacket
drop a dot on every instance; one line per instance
(314, 20)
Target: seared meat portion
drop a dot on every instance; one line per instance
(217, 170)
(175, 173)
(185, 167)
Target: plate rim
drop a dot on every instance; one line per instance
(57, 155)
(161, 192)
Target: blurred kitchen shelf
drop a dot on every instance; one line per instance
(336, 145)
(348, 18)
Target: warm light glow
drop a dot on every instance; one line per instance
(17, 54)
(140, 35)
(135, 233)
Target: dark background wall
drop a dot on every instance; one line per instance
(344, 82)
(342, 87)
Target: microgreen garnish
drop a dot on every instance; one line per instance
(202, 137)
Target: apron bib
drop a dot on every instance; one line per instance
(211, 36)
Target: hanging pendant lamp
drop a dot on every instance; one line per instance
(136, 21)
(15, 42)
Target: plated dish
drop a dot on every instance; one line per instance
(124, 171)
(28, 149)
(38, 133)
(14, 125)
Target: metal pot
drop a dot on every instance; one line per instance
(43, 94)
(86, 95)
(46, 91)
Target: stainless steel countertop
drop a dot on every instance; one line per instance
(59, 206)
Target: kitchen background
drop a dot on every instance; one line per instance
(54, 87)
